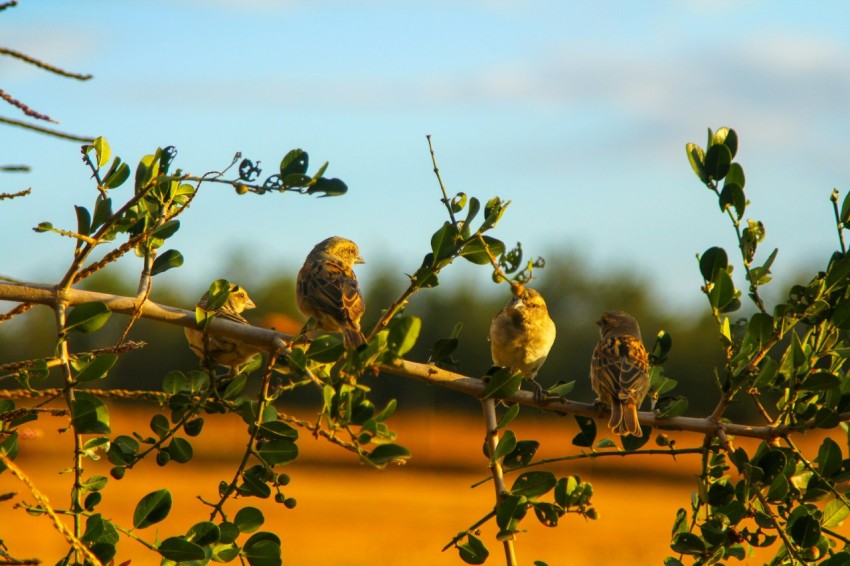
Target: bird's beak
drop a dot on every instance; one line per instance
(599, 322)
(359, 259)
(518, 304)
(249, 304)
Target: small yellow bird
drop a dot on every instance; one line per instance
(219, 350)
(522, 334)
(619, 370)
(327, 289)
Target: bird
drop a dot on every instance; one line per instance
(327, 290)
(521, 335)
(221, 350)
(619, 371)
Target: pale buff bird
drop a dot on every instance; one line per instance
(221, 350)
(522, 334)
(327, 289)
(619, 371)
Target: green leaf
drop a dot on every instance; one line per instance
(249, 519)
(278, 430)
(204, 533)
(262, 549)
(696, 157)
(718, 158)
(632, 443)
(522, 454)
(166, 260)
(102, 151)
(733, 195)
(326, 349)
(829, 457)
(387, 411)
(834, 513)
(688, 543)
(503, 384)
(444, 242)
(509, 510)
(330, 187)
(116, 176)
(727, 137)
(280, 451)
(296, 161)
(533, 484)
(146, 170)
(475, 251)
(587, 435)
(735, 175)
(841, 315)
(87, 317)
(83, 220)
(845, 211)
(820, 381)
(713, 260)
(179, 549)
(493, 212)
(670, 406)
(509, 415)
(386, 453)
(722, 291)
(159, 425)
(759, 329)
(95, 483)
(89, 414)
(473, 550)
(180, 450)
(97, 368)
(404, 332)
(166, 230)
(505, 446)
(805, 531)
(100, 530)
(152, 508)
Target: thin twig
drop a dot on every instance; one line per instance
(49, 132)
(839, 225)
(492, 441)
(43, 502)
(42, 65)
(445, 200)
(23, 193)
(24, 108)
(457, 538)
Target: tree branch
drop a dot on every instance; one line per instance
(270, 340)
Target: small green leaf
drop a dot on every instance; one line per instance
(278, 430)
(204, 533)
(180, 450)
(713, 260)
(718, 158)
(733, 195)
(473, 550)
(509, 415)
(159, 425)
(386, 453)
(444, 242)
(152, 508)
(475, 252)
(102, 151)
(166, 230)
(834, 513)
(522, 454)
(805, 531)
(505, 446)
(168, 259)
(95, 483)
(821, 381)
(722, 291)
(326, 349)
(248, 519)
(296, 161)
(587, 435)
(87, 317)
(89, 414)
(727, 137)
(404, 332)
(179, 549)
(688, 543)
(533, 484)
(116, 176)
(97, 368)
(279, 451)
(83, 220)
(330, 187)
(503, 384)
(696, 157)
(829, 457)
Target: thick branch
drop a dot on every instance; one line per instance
(269, 340)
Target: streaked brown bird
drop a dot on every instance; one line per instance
(522, 334)
(221, 350)
(327, 289)
(619, 371)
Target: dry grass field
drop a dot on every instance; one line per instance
(351, 515)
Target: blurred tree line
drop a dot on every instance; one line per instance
(574, 296)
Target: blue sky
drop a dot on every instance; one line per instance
(577, 112)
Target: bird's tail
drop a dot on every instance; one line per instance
(627, 419)
(353, 338)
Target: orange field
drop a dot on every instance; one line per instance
(352, 515)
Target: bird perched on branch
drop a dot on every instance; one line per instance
(522, 334)
(221, 350)
(327, 289)
(619, 371)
